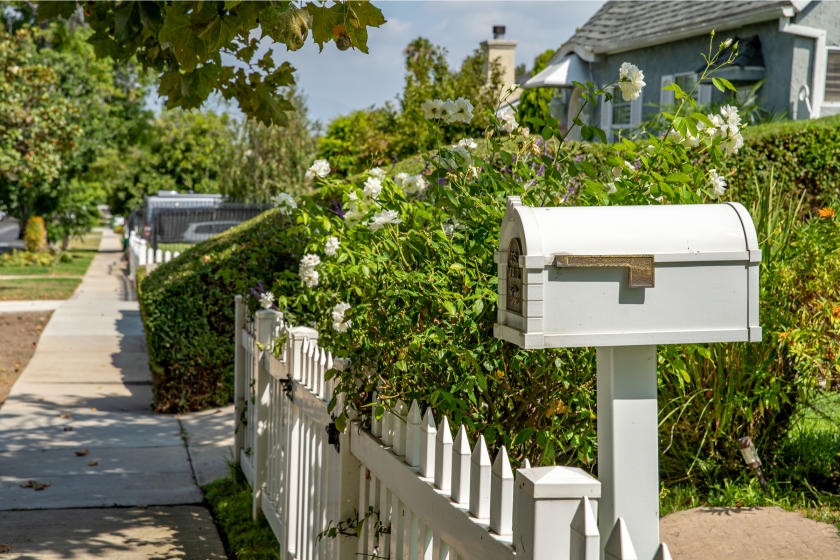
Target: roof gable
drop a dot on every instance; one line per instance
(625, 25)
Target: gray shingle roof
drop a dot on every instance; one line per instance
(627, 24)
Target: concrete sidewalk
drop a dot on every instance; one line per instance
(77, 431)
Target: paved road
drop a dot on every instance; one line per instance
(77, 431)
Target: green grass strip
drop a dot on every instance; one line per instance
(27, 289)
(230, 502)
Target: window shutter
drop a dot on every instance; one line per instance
(666, 98)
(704, 94)
(636, 111)
(606, 117)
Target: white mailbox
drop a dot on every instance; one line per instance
(627, 275)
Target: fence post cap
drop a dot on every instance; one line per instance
(546, 483)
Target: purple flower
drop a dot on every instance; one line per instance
(441, 181)
(336, 207)
(541, 170)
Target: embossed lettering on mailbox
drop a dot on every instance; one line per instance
(640, 268)
(514, 277)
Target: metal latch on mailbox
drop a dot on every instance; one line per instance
(640, 268)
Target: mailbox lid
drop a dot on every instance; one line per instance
(671, 233)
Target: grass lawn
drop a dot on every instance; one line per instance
(26, 289)
(80, 255)
(803, 481)
(56, 281)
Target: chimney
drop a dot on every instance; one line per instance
(502, 51)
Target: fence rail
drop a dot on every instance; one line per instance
(404, 489)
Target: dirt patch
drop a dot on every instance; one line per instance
(20, 333)
(767, 533)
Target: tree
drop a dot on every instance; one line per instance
(378, 136)
(533, 103)
(271, 160)
(37, 123)
(197, 47)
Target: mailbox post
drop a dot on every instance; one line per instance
(624, 279)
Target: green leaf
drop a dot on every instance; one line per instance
(177, 35)
(448, 305)
(340, 422)
(523, 436)
(54, 10)
(678, 178)
(722, 84)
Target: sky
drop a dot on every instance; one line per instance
(336, 83)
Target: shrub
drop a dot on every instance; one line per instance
(35, 235)
(802, 156)
(187, 309)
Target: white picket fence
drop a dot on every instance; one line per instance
(141, 254)
(404, 489)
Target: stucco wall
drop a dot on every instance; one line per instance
(823, 15)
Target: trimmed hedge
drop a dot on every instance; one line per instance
(187, 310)
(802, 156)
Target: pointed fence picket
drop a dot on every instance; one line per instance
(406, 488)
(140, 254)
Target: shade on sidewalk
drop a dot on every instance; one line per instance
(78, 430)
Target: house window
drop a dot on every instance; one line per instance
(686, 81)
(619, 116)
(832, 77)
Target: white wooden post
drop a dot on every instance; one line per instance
(412, 438)
(501, 495)
(398, 421)
(544, 504)
(663, 553)
(628, 443)
(620, 545)
(264, 331)
(443, 457)
(585, 539)
(428, 437)
(239, 388)
(461, 467)
(298, 339)
(480, 467)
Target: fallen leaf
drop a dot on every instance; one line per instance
(82, 452)
(64, 416)
(41, 485)
(5, 548)
(93, 409)
(93, 463)
(68, 428)
(28, 484)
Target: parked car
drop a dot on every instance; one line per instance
(199, 231)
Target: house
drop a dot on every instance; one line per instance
(792, 46)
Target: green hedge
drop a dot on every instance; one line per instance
(187, 310)
(802, 157)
